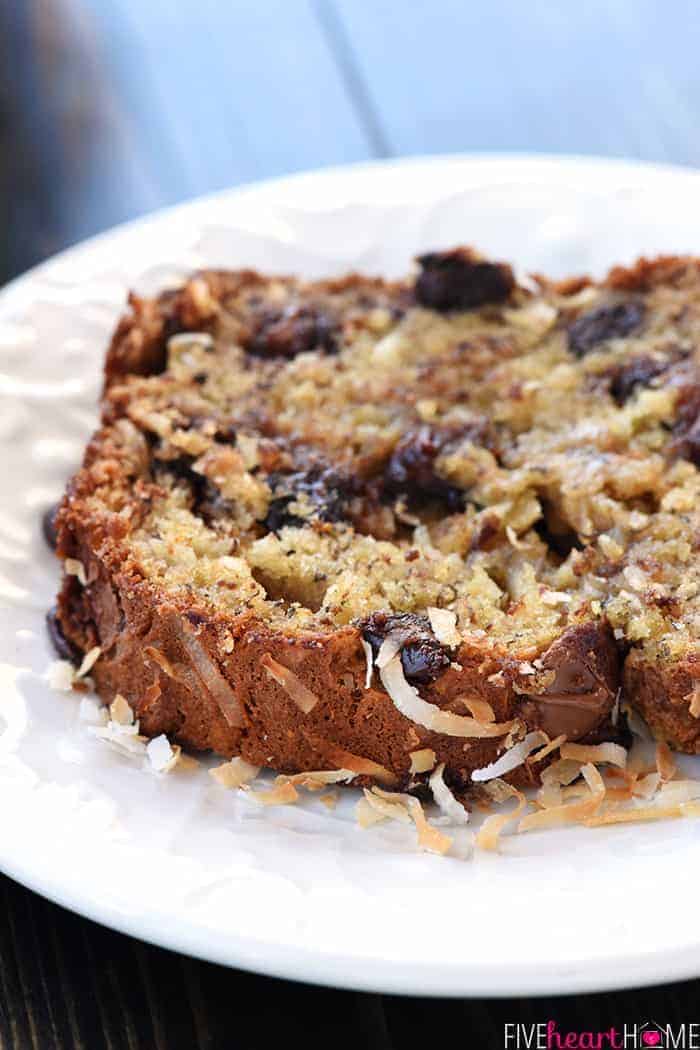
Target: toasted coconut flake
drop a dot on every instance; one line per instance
(89, 660)
(619, 794)
(187, 762)
(429, 838)
(282, 793)
(369, 658)
(563, 771)
(422, 761)
(665, 763)
(613, 754)
(389, 648)
(646, 786)
(291, 683)
(162, 755)
(380, 801)
(234, 774)
(120, 711)
(645, 814)
(615, 712)
(443, 623)
(73, 567)
(547, 749)
(550, 795)
(693, 698)
(489, 833)
(511, 759)
(60, 675)
(317, 779)
(570, 812)
(204, 671)
(367, 814)
(444, 798)
(679, 791)
(161, 659)
(636, 723)
(121, 732)
(346, 760)
(480, 709)
(407, 700)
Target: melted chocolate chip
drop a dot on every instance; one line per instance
(64, 648)
(459, 280)
(292, 331)
(48, 526)
(328, 492)
(411, 472)
(605, 322)
(584, 667)
(423, 657)
(637, 372)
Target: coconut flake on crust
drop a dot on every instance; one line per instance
(291, 683)
(512, 758)
(408, 701)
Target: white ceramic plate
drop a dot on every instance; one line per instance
(301, 891)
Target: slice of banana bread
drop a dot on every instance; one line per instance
(333, 524)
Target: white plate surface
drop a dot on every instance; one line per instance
(301, 891)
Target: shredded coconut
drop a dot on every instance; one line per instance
(162, 755)
(490, 831)
(444, 626)
(368, 657)
(408, 701)
(291, 683)
(61, 675)
(444, 798)
(608, 752)
(422, 761)
(235, 773)
(74, 567)
(429, 838)
(512, 758)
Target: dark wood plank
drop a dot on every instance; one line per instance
(608, 76)
(68, 983)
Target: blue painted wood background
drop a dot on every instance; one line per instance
(116, 107)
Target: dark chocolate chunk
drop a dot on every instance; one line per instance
(64, 648)
(423, 657)
(459, 280)
(292, 331)
(583, 668)
(327, 490)
(48, 525)
(637, 372)
(605, 322)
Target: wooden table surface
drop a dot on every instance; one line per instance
(111, 108)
